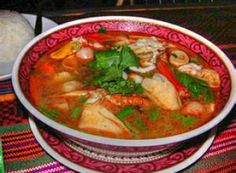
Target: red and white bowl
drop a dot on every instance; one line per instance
(51, 38)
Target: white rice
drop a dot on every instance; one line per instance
(15, 32)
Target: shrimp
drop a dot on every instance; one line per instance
(133, 100)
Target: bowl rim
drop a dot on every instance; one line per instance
(126, 142)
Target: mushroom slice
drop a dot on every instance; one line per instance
(211, 77)
(143, 69)
(97, 119)
(178, 58)
(190, 68)
(162, 92)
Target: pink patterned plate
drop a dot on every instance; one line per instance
(82, 159)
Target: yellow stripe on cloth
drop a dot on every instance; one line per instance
(7, 97)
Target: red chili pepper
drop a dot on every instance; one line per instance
(164, 69)
(96, 37)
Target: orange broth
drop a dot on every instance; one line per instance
(47, 94)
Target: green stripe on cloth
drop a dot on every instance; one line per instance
(33, 161)
(15, 128)
(1, 158)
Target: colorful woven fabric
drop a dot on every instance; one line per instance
(22, 153)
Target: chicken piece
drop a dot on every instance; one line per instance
(190, 68)
(193, 108)
(97, 119)
(147, 49)
(197, 109)
(162, 92)
(93, 95)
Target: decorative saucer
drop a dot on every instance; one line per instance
(84, 159)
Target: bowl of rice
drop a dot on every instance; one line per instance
(15, 32)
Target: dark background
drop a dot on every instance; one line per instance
(48, 5)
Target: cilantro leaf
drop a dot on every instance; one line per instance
(122, 86)
(128, 58)
(109, 66)
(195, 85)
(102, 29)
(186, 120)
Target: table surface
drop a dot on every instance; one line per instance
(216, 22)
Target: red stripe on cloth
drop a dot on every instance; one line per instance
(15, 133)
(17, 142)
(19, 158)
(23, 153)
(220, 151)
(226, 138)
(17, 138)
(229, 165)
(20, 148)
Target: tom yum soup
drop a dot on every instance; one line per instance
(125, 85)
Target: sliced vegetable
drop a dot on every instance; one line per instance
(49, 113)
(96, 37)
(154, 114)
(63, 52)
(164, 69)
(139, 124)
(76, 112)
(131, 127)
(125, 112)
(196, 86)
(186, 120)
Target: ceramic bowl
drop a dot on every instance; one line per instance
(198, 44)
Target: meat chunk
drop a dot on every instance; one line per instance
(162, 92)
(97, 119)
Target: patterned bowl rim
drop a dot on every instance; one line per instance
(126, 142)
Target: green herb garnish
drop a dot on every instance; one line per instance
(195, 85)
(110, 65)
(122, 86)
(139, 124)
(102, 29)
(125, 112)
(186, 120)
(153, 114)
(49, 113)
(76, 112)
(131, 127)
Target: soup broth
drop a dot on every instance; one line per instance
(125, 85)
